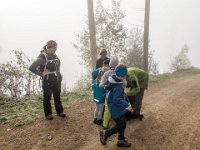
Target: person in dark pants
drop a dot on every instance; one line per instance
(118, 107)
(137, 82)
(103, 56)
(47, 66)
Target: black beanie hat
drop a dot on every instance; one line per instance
(106, 62)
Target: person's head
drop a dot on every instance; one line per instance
(51, 47)
(106, 64)
(103, 53)
(121, 71)
(113, 62)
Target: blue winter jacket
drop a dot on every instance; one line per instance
(116, 101)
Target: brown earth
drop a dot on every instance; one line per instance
(172, 122)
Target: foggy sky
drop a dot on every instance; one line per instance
(27, 24)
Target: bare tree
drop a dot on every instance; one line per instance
(15, 78)
(92, 33)
(110, 33)
(134, 54)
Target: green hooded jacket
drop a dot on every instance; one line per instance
(136, 79)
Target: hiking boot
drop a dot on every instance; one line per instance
(103, 137)
(62, 115)
(99, 122)
(95, 121)
(49, 117)
(141, 117)
(137, 116)
(123, 143)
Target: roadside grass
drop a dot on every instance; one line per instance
(160, 77)
(29, 108)
(19, 112)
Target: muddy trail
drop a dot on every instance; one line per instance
(172, 122)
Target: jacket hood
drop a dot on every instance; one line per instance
(114, 79)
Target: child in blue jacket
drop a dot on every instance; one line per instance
(118, 106)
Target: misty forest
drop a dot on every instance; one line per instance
(170, 105)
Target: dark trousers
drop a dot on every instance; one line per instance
(136, 101)
(118, 128)
(50, 88)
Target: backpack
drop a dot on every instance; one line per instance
(52, 63)
(48, 60)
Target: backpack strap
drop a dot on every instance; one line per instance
(46, 62)
(46, 59)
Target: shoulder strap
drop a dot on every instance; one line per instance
(46, 59)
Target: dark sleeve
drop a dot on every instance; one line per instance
(59, 62)
(98, 63)
(35, 65)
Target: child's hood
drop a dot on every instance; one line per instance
(113, 79)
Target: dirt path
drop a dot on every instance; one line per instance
(172, 122)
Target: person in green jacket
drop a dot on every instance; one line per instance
(137, 82)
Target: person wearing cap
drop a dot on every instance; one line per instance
(103, 56)
(118, 107)
(137, 82)
(99, 92)
(47, 66)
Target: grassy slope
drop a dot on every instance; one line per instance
(28, 109)
(156, 78)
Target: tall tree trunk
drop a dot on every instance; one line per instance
(92, 32)
(146, 34)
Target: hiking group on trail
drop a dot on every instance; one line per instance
(114, 86)
(113, 90)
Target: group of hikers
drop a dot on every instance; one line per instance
(115, 87)
(117, 91)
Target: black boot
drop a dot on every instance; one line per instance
(49, 117)
(99, 122)
(141, 117)
(123, 143)
(62, 115)
(136, 116)
(95, 121)
(103, 137)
